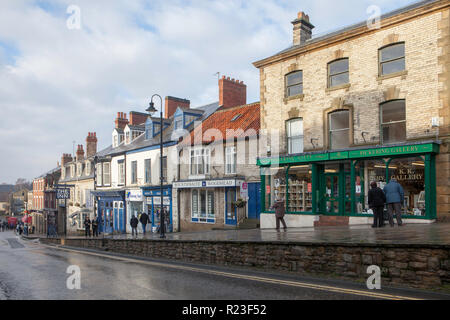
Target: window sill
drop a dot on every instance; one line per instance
(297, 97)
(402, 74)
(340, 87)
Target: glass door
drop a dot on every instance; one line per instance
(332, 193)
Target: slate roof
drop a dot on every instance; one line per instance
(168, 135)
(355, 26)
(249, 121)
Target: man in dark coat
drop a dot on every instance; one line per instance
(395, 197)
(144, 220)
(377, 199)
(95, 227)
(87, 227)
(134, 224)
(280, 211)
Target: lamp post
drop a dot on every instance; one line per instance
(151, 110)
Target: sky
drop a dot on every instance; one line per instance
(58, 82)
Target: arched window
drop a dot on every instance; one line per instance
(294, 134)
(393, 121)
(294, 84)
(392, 59)
(338, 73)
(339, 124)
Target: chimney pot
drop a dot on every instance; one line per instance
(302, 29)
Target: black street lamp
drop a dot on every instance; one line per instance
(151, 110)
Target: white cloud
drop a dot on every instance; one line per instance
(56, 84)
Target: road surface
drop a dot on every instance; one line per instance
(30, 270)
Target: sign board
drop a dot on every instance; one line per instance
(267, 189)
(244, 190)
(62, 194)
(134, 196)
(157, 201)
(207, 184)
(309, 187)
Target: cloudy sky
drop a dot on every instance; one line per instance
(59, 83)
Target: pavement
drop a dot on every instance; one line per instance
(409, 234)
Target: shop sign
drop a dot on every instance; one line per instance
(134, 196)
(339, 155)
(206, 184)
(187, 184)
(391, 151)
(157, 201)
(62, 194)
(267, 189)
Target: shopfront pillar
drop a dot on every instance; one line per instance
(315, 188)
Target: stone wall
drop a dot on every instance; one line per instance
(423, 266)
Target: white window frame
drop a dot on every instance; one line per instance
(134, 179)
(149, 170)
(121, 168)
(107, 173)
(99, 174)
(199, 161)
(230, 160)
(290, 138)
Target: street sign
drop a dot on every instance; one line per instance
(62, 194)
(244, 190)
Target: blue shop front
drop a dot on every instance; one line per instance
(111, 211)
(152, 200)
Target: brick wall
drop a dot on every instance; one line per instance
(412, 265)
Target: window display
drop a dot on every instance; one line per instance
(410, 174)
(300, 189)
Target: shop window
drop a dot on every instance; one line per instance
(300, 189)
(202, 206)
(294, 133)
(393, 121)
(230, 208)
(339, 124)
(277, 186)
(366, 173)
(410, 174)
(294, 84)
(392, 59)
(338, 73)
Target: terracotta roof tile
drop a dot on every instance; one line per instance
(248, 121)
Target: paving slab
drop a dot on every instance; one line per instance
(410, 234)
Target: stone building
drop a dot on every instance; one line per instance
(365, 103)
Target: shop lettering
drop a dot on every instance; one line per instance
(389, 151)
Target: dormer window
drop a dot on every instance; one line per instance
(179, 122)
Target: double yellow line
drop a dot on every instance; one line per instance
(370, 294)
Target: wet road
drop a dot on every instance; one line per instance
(29, 270)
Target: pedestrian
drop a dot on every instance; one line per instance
(134, 224)
(377, 199)
(95, 227)
(87, 227)
(280, 211)
(395, 196)
(144, 221)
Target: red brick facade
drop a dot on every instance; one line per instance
(232, 93)
(172, 105)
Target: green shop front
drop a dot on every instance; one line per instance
(336, 184)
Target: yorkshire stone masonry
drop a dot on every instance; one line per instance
(422, 266)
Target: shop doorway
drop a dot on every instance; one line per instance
(332, 198)
(336, 189)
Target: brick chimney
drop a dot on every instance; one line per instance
(66, 158)
(138, 118)
(91, 144)
(173, 103)
(302, 29)
(232, 93)
(80, 152)
(121, 120)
